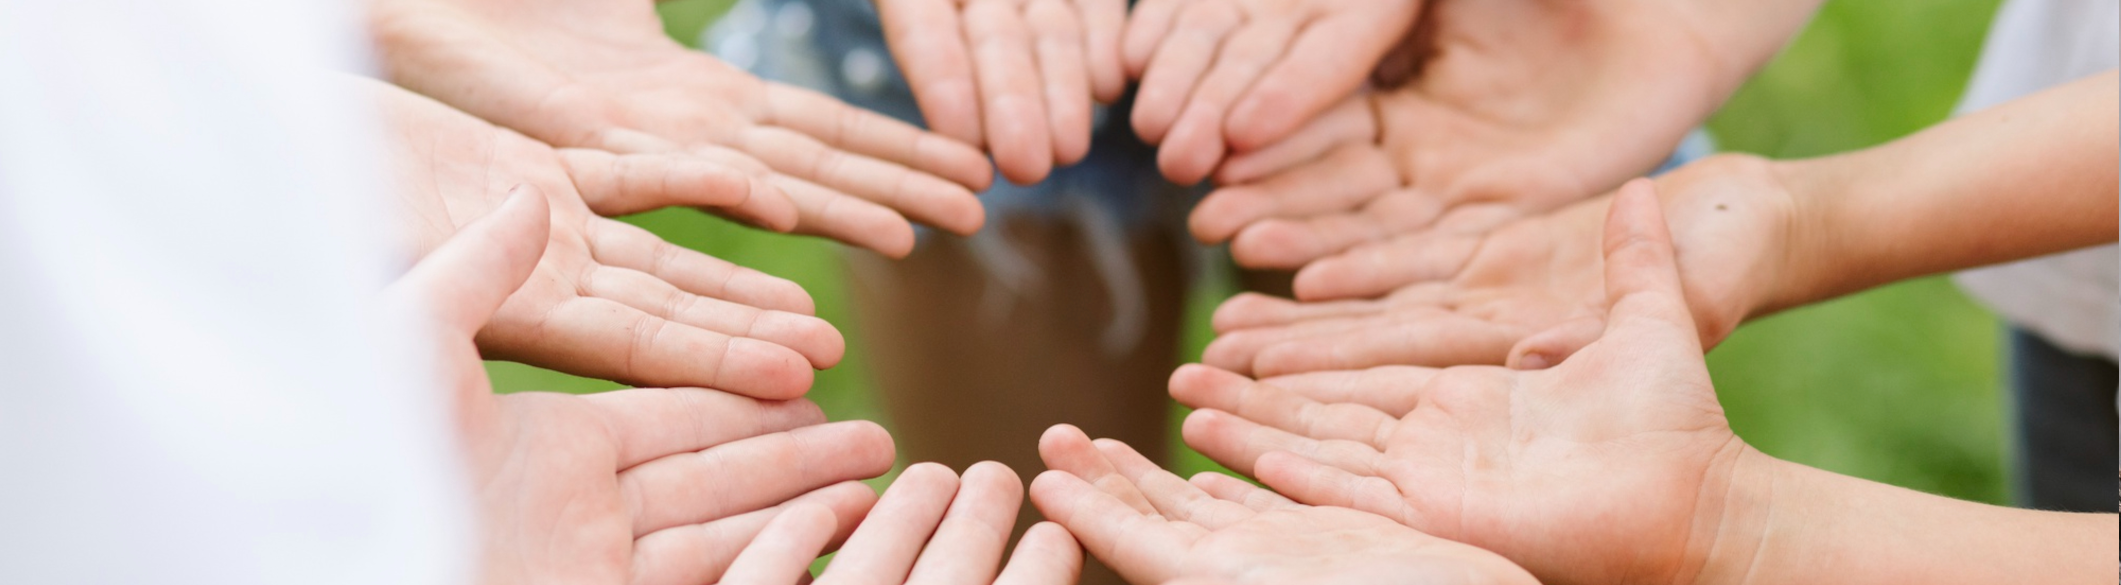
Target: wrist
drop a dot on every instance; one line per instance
(1732, 225)
(1741, 530)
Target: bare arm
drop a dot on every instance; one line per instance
(2032, 177)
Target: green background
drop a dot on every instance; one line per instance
(1899, 384)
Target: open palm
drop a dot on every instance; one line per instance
(1521, 105)
(1153, 527)
(607, 299)
(634, 486)
(1610, 467)
(597, 74)
(1466, 299)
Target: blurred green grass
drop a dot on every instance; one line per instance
(1897, 385)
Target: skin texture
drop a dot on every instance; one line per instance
(1153, 527)
(1504, 108)
(628, 486)
(933, 527)
(1468, 298)
(987, 72)
(580, 73)
(1545, 467)
(606, 299)
(1616, 465)
(1243, 74)
(1753, 236)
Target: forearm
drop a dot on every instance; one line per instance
(1821, 527)
(2032, 177)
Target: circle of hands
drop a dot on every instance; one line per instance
(1424, 187)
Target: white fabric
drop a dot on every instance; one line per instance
(198, 386)
(2074, 299)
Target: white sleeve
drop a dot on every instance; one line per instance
(196, 385)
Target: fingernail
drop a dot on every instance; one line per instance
(1533, 361)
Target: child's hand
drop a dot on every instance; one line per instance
(626, 487)
(1466, 298)
(1153, 527)
(1218, 75)
(607, 299)
(1014, 75)
(1521, 105)
(930, 527)
(599, 74)
(1615, 465)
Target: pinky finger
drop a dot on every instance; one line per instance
(1047, 555)
(782, 553)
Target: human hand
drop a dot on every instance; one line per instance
(621, 487)
(1466, 299)
(579, 73)
(1615, 465)
(1014, 75)
(1511, 107)
(1153, 527)
(930, 527)
(1243, 74)
(607, 299)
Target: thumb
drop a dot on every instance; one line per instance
(466, 279)
(1641, 270)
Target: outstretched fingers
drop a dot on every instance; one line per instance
(1338, 183)
(751, 474)
(1238, 443)
(967, 547)
(924, 37)
(1323, 484)
(621, 184)
(784, 549)
(613, 243)
(1330, 60)
(1204, 387)
(1058, 37)
(1173, 497)
(1196, 145)
(701, 553)
(1065, 448)
(1012, 98)
(1224, 487)
(877, 137)
(1046, 555)
(1352, 121)
(606, 339)
(1143, 548)
(884, 549)
(651, 423)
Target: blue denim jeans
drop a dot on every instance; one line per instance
(2064, 427)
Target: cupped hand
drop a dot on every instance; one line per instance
(1153, 527)
(633, 486)
(1017, 76)
(1243, 74)
(1508, 107)
(1466, 299)
(583, 73)
(1616, 465)
(606, 299)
